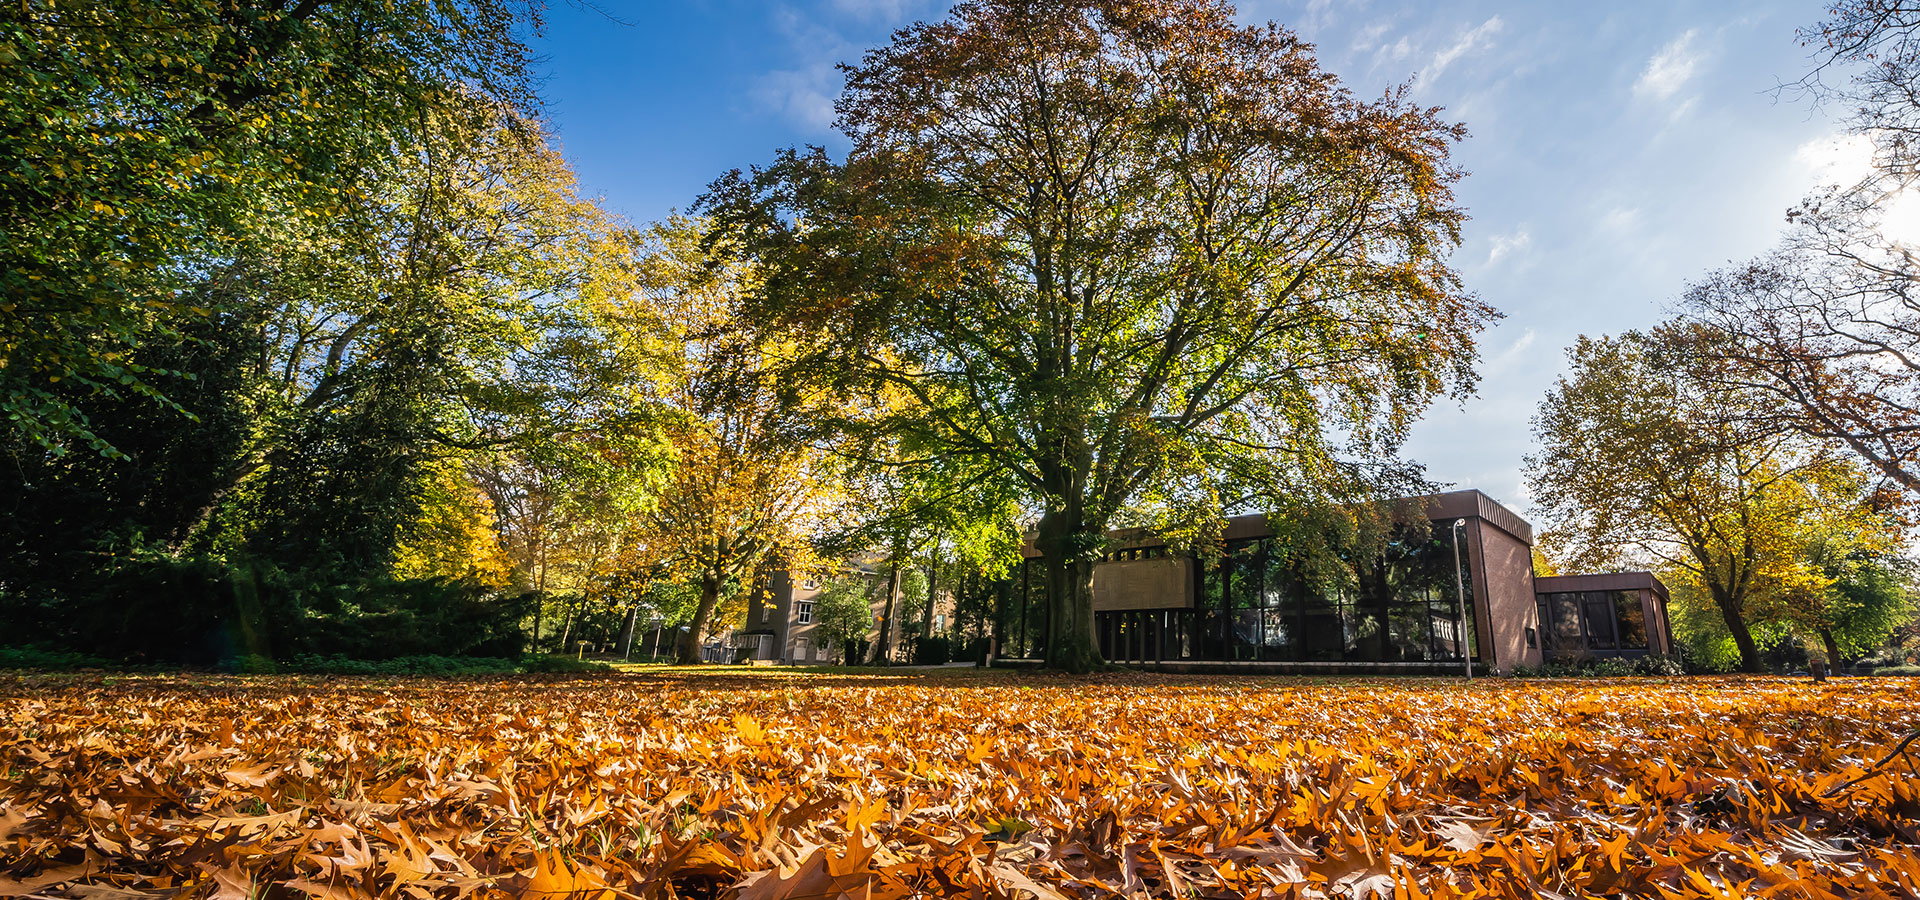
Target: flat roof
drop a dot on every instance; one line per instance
(1470, 503)
(1603, 581)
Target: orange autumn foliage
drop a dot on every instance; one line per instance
(765, 785)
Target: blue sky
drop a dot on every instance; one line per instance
(1618, 149)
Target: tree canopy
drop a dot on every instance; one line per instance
(1136, 258)
(151, 141)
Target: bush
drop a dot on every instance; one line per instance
(1660, 666)
(250, 664)
(312, 664)
(1610, 667)
(561, 665)
(152, 606)
(37, 658)
(1613, 667)
(936, 650)
(977, 650)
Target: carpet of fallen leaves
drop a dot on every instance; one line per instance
(767, 784)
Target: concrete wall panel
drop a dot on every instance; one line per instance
(1143, 584)
(1505, 582)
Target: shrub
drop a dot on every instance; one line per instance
(37, 658)
(312, 664)
(977, 649)
(936, 650)
(1661, 666)
(249, 664)
(1613, 667)
(1610, 667)
(561, 665)
(150, 605)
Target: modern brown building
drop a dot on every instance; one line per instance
(1615, 614)
(1465, 586)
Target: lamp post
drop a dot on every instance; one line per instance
(1460, 602)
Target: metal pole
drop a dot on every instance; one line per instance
(1460, 607)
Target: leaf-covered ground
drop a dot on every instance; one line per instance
(769, 784)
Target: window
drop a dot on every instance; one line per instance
(1593, 621)
(811, 584)
(766, 613)
(1632, 618)
(1254, 603)
(803, 614)
(1597, 606)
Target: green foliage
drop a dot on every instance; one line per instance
(913, 596)
(38, 658)
(1870, 597)
(843, 612)
(561, 665)
(313, 664)
(1609, 667)
(936, 650)
(147, 140)
(1055, 264)
(441, 665)
(337, 379)
(144, 604)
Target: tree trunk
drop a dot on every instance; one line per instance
(882, 653)
(1737, 626)
(626, 631)
(1069, 551)
(566, 630)
(933, 590)
(702, 614)
(539, 613)
(1833, 649)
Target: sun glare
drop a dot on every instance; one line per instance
(1900, 218)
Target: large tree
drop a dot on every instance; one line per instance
(1129, 253)
(745, 485)
(147, 141)
(1847, 581)
(343, 380)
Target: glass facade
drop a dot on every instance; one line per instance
(1252, 604)
(1022, 623)
(1594, 622)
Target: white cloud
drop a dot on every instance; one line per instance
(1621, 219)
(1668, 71)
(803, 95)
(1394, 52)
(1319, 14)
(1479, 37)
(1506, 244)
(1370, 35)
(1506, 358)
(879, 10)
